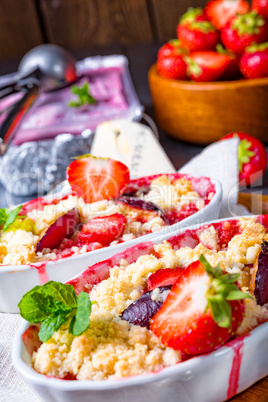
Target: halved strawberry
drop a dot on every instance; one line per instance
(207, 65)
(202, 310)
(219, 12)
(164, 277)
(96, 179)
(62, 228)
(103, 230)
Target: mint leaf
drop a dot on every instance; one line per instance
(37, 304)
(12, 216)
(54, 304)
(81, 320)
(51, 324)
(3, 215)
(83, 94)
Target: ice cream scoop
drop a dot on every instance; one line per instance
(46, 67)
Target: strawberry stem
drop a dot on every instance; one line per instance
(244, 153)
(222, 288)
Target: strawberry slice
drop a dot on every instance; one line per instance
(31, 339)
(207, 65)
(96, 179)
(202, 310)
(164, 277)
(103, 230)
(219, 12)
(62, 228)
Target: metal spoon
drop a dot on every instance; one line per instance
(46, 67)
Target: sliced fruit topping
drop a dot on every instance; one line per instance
(261, 281)
(219, 12)
(141, 205)
(142, 310)
(62, 228)
(202, 310)
(103, 230)
(31, 340)
(164, 277)
(96, 179)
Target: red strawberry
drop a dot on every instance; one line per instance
(207, 65)
(261, 6)
(201, 35)
(171, 48)
(96, 179)
(254, 61)
(164, 277)
(172, 67)
(232, 71)
(193, 15)
(103, 230)
(62, 228)
(243, 30)
(219, 12)
(202, 310)
(31, 339)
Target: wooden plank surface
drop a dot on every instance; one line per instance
(82, 23)
(19, 27)
(166, 15)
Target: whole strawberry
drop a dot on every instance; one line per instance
(261, 6)
(171, 48)
(207, 65)
(200, 35)
(202, 311)
(193, 15)
(243, 30)
(254, 61)
(172, 67)
(219, 12)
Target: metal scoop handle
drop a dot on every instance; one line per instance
(15, 116)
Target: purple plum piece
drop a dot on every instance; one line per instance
(142, 310)
(261, 281)
(62, 228)
(142, 190)
(145, 205)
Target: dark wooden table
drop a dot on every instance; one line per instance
(141, 57)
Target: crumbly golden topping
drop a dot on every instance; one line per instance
(113, 348)
(18, 246)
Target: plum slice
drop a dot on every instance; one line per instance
(261, 281)
(142, 310)
(134, 202)
(62, 228)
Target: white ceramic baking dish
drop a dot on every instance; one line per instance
(214, 377)
(16, 280)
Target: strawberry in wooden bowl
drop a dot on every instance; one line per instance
(180, 313)
(103, 211)
(215, 74)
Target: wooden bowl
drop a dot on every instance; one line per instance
(204, 112)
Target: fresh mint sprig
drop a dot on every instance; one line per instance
(7, 218)
(54, 304)
(83, 96)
